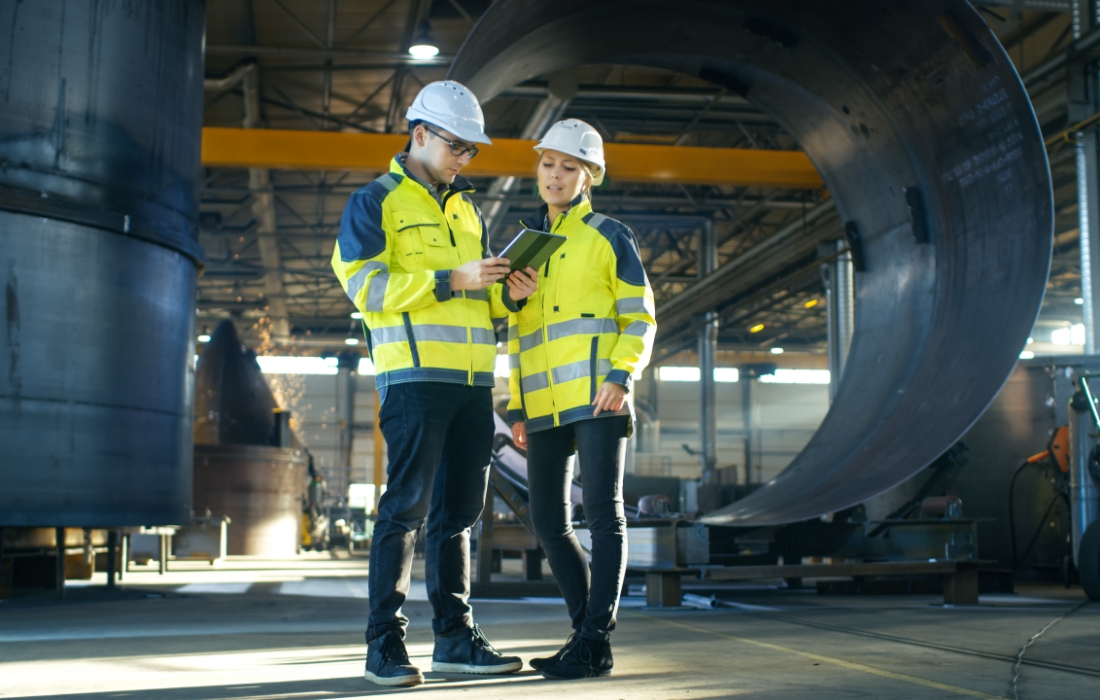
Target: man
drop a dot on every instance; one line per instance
(412, 254)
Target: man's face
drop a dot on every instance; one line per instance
(434, 151)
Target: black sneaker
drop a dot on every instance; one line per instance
(541, 663)
(466, 650)
(585, 658)
(388, 663)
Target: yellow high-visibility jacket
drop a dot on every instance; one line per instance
(394, 253)
(591, 320)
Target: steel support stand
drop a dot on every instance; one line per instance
(59, 543)
(112, 552)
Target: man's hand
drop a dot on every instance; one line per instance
(523, 284)
(519, 435)
(610, 397)
(479, 274)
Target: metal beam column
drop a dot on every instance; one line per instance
(708, 352)
(1082, 88)
(346, 386)
(263, 209)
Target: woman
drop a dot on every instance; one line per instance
(573, 349)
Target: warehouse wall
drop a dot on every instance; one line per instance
(785, 416)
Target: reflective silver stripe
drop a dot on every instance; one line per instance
(597, 220)
(633, 305)
(389, 334)
(440, 333)
(582, 326)
(531, 340)
(479, 294)
(513, 332)
(483, 336)
(637, 328)
(388, 181)
(513, 362)
(534, 382)
(356, 281)
(579, 370)
(376, 293)
(571, 371)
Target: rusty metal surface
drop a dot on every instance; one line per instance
(259, 488)
(233, 402)
(926, 139)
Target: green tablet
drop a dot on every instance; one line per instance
(531, 249)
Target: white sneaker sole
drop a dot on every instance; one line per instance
(395, 682)
(440, 667)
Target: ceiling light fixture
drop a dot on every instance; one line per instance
(423, 43)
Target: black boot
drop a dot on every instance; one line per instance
(388, 663)
(541, 663)
(466, 650)
(584, 658)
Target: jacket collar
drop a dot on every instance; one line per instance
(460, 184)
(578, 209)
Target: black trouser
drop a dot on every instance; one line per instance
(592, 598)
(439, 438)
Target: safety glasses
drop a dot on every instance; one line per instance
(457, 149)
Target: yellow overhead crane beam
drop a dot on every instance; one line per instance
(331, 150)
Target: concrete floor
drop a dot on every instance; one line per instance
(261, 629)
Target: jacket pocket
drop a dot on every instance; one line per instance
(593, 366)
(416, 235)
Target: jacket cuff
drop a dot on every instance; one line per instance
(515, 415)
(513, 306)
(620, 377)
(442, 285)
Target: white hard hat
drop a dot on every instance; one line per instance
(451, 106)
(578, 139)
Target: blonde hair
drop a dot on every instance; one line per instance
(587, 167)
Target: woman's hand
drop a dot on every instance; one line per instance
(519, 435)
(522, 284)
(610, 397)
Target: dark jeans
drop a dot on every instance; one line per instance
(439, 438)
(592, 597)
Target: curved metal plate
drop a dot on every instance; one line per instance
(884, 98)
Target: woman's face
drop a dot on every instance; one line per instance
(561, 178)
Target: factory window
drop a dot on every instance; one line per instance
(797, 376)
(678, 374)
(691, 374)
(1074, 335)
(501, 369)
(297, 365)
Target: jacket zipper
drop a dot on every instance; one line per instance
(412, 339)
(593, 363)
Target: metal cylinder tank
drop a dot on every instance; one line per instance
(926, 139)
(242, 466)
(259, 488)
(100, 124)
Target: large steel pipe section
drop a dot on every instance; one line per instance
(99, 155)
(922, 131)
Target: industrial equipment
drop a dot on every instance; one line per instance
(927, 142)
(248, 464)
